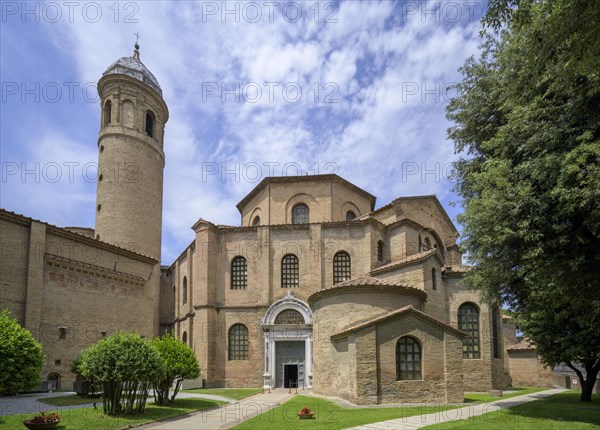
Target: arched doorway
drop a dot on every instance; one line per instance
(53, 381)
(287, 329)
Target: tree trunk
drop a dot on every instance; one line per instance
(592, 367)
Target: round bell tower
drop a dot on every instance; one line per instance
(131, 157)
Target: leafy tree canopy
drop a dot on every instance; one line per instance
(527, 123)
(21, 357)
(180, 363)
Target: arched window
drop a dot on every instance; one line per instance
(238, 342)
(380, 250)
(184, 291)
(408, 359)
(289, 272)
(341, 267)
(150, 120)
(468, 321)
(184, 337)
(239, 273)
(107, 113)
(289, 316)
(300, 214)
(433, 279)
(495, 334)
(350, 215)
(256, 221)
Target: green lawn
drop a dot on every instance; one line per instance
(486, 398)
(329, 415)
(230, 393)
(562, 411)
(94, 419)
(70, 400)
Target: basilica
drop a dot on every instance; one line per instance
(317, 288)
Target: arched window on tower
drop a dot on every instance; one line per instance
(408, 359)
(256, 221)
(289, 272)
(300, 214)
(150, 120)
(468, 321)
(184, 291)
(239, 273)
(341, 267)
(184, 337)
(107, 113)
(238, 342)
(350, 215)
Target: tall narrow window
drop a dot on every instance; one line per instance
(238, 342)
(289, 272)
(350, 215)
(184, 337)
(184, 291)
(150, 120)
(380, 250)
(107, 113)
(468, 321)
(433, 279)
(300, 214)
(408, 359)
(239, 273)
(62, 332)
(341, 267)
(256, 221)
(495, 334)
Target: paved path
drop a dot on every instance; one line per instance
(418, 421)
(30, 404)
(226, 416)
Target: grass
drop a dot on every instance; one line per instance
(329, 415)
(94, 419)
(558, 412)
(486, 398)
(230, 393)
(70, 400)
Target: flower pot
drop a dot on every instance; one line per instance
(306, 416)
(40, 426)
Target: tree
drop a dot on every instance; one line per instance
(126, 365)
(527, 123)
(21, 357)
(180, 363)
(76, 368)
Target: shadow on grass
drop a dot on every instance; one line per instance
(564, 408)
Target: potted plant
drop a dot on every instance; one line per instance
(305, 414)
(43, 421)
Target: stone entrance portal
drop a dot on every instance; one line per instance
(290, 361)
(287, 329)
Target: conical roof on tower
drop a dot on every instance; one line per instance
(133, 66)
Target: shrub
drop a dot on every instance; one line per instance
(180, 363)
(21, 357)
(126, 365)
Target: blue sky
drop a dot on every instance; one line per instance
(254, 89)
